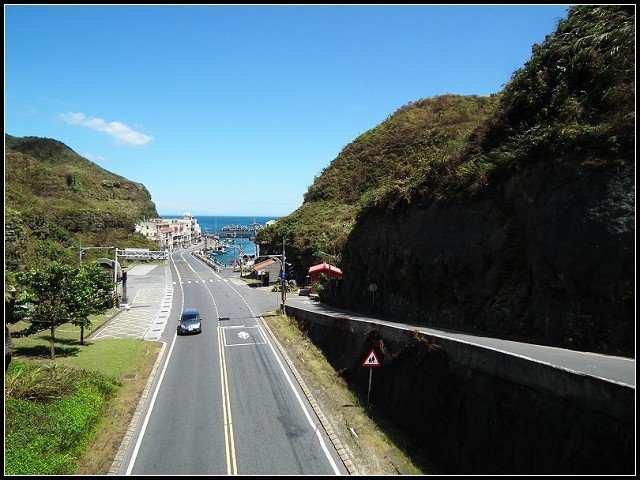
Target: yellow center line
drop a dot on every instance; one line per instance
(232, 467)
(230, 451)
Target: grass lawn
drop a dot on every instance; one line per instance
(127, 361)
(112, 357)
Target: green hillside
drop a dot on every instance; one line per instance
(383, 164)
(56, 200)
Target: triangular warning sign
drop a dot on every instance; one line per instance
(371, 360)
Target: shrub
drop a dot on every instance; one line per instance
(51, 412)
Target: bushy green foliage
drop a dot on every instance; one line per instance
(51, 412)
(45, 382)
(574, 97)
(314, 232)
(57, 294)
(291, 286)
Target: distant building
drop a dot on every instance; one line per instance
(173, 233)
(270, 267)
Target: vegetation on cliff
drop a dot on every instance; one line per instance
(56, 200)
(382, 164)
(575, 96)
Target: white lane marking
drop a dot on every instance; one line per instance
(295, 392)
(134, 455)
(304, 408)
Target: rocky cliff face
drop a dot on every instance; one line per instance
(548, 259)
(529, 234)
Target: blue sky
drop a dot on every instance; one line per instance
(232, 110)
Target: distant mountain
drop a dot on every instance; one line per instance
(56, 200)
(522, 228)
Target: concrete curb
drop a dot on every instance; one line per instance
(117, 461)
(346, 460)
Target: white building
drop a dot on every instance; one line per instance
(171, 233)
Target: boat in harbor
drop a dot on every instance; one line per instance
(219, 250)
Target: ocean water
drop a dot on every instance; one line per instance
(238, 246)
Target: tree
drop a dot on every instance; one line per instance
(13, 305)
(92, 293)
(59, 294)
(322, 286)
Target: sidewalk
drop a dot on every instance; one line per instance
(150, 294)
(613, 369)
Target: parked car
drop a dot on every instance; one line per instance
(190, 321)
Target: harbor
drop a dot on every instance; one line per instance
(229, 241)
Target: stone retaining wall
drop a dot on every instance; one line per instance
(474, 410)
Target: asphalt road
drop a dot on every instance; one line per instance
(611, 368)
(223, 401)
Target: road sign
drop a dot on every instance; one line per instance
(371, 360)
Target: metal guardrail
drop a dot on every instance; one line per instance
(143, 254)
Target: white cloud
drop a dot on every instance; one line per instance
(121, 132)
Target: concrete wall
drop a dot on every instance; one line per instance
(473, 410)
